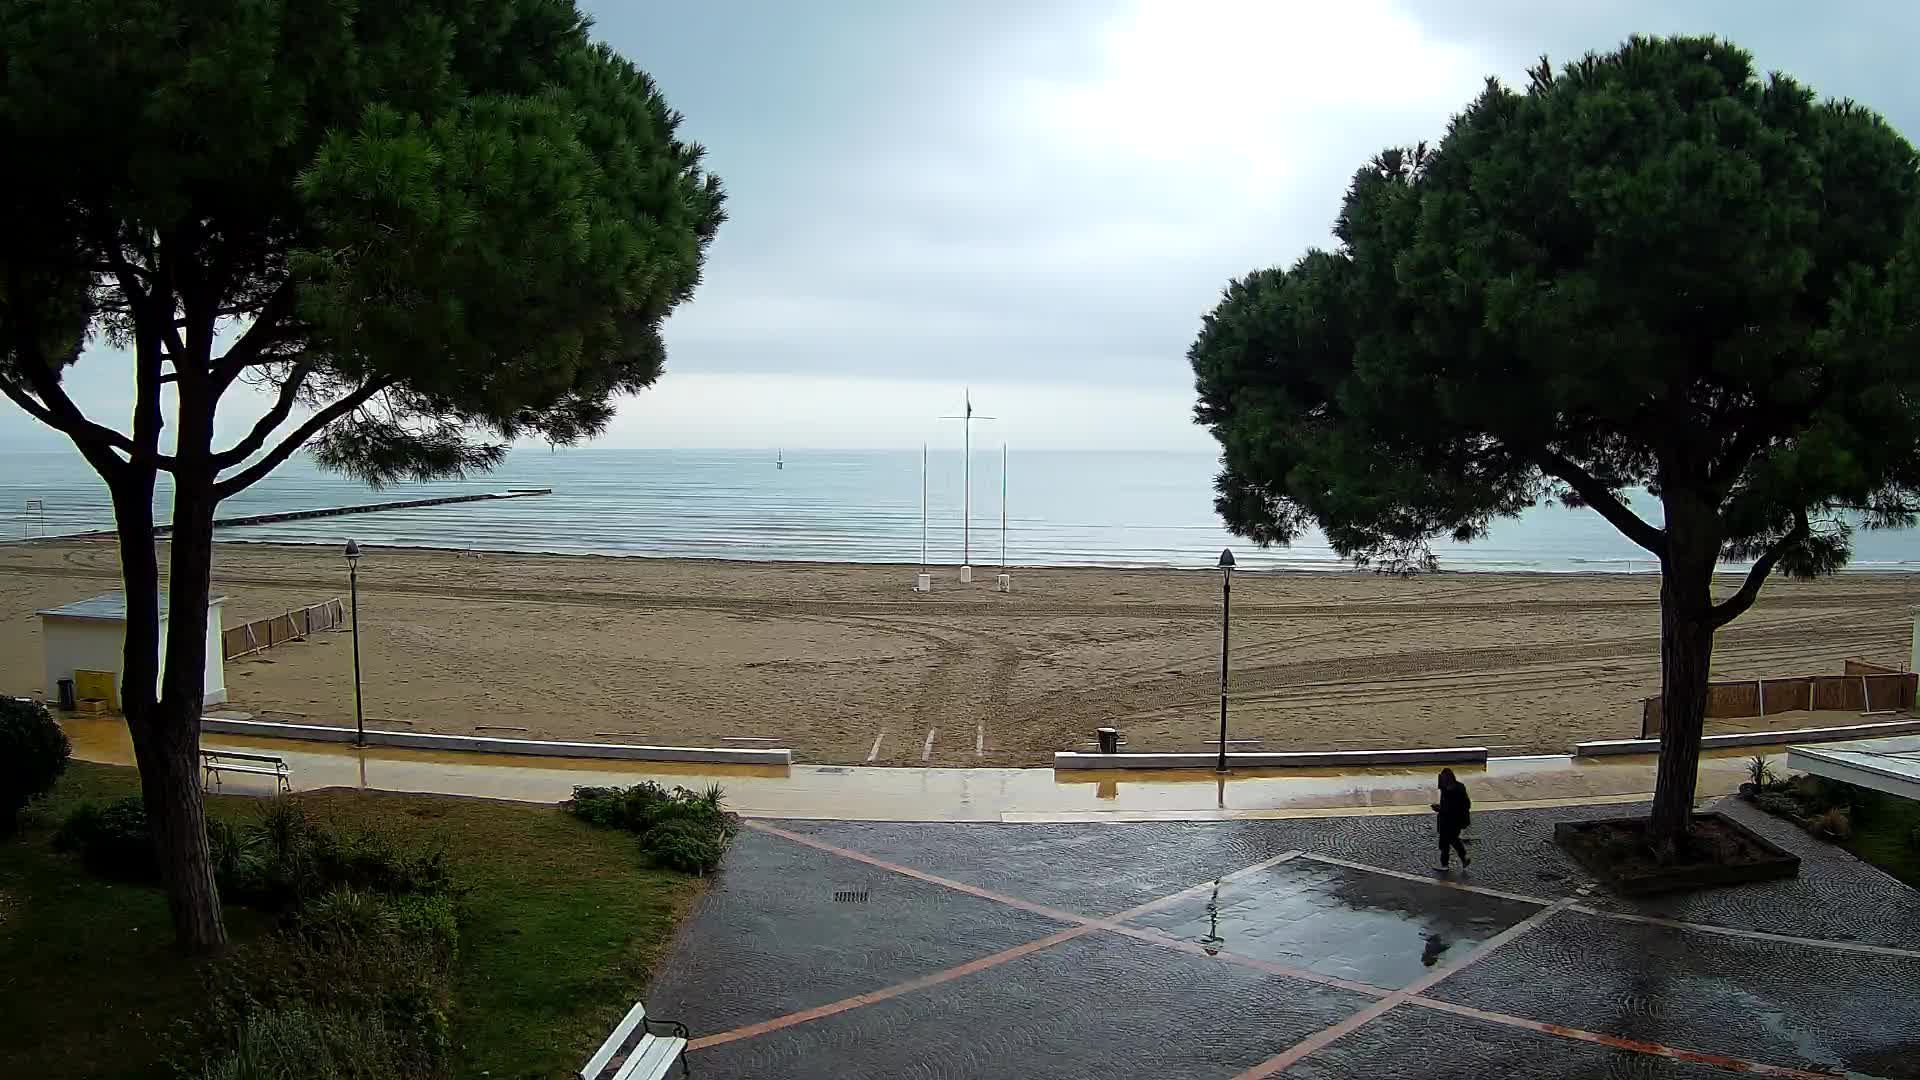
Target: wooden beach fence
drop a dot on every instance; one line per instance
(262, 634)
(1863, 688)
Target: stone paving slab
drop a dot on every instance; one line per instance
(1419, 1043)
(1782, 1004)
(1350, 924)
(1836, 897)
(1102, 869)
(1096, 1006)
(1094, 870)
(770, 938)
(771, 944)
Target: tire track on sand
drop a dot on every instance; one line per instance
(1020, 608)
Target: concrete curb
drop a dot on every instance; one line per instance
(723, 755)
(1471, 755)
(1753, 738)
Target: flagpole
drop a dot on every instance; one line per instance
(923, 508)
(1003, 506)
(966, 481)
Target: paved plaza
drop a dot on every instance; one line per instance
(1320, 947)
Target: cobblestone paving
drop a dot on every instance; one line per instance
(1314, 948)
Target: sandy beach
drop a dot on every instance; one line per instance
(845, 664)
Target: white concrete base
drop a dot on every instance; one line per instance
(966, 573)
(1246, 759)
(1003, 583)
(1753, 738)
(1889, 765)
(726, 755)
(923, 583)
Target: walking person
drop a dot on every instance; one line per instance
(1453, 809)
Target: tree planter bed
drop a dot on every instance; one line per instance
(1721, 852)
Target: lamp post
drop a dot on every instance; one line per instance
(1226, 602)
(353, 588)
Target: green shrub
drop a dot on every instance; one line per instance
(603, 806)
(684, 844)
(360, 971)
(1835, 823)
(679, 829)
(236, 854)
(1814, 794)
(430, 922)
(345, 917)
(77, 827)
(1774, 802)
(301, 1044)
(285, 858)
(113, 841)
(33, 754)
(1760, 772)
(366, 860)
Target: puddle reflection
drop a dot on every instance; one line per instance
(1346, 923)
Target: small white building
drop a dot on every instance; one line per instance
(90, 635)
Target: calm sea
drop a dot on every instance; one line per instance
(1063, 508)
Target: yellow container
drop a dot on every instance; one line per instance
(97, 684)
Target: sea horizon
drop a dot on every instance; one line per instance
(1110, 508)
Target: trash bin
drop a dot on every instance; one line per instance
(66, 695)
(1109, 739)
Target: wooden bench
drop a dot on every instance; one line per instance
(215, 762)
(650, 1057)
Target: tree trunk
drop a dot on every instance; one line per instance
(166, 738)
(1686, 660)
(176, 808)
(167, 748)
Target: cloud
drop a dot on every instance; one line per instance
(1060, 197)
(1044, 198)
(733, 411)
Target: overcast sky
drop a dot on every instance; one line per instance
(1041, 199)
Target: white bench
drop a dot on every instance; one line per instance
(215, 762)
(649, 1058)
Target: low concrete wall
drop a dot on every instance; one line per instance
(720, 755)
(1258, 760)
(1753, 738)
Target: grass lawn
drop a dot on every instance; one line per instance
(1887, 835)
(559, 928)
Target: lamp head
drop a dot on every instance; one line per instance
(353, 552)
(1226, 559)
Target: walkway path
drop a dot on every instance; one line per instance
(1310, 948)
(1011, 922)
(1001, 795)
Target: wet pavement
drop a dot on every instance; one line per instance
(1322, 947)
(1351, 924)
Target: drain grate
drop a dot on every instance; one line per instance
(850, 896)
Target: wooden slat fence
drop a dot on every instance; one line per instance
(263, 634)
(1864, 688)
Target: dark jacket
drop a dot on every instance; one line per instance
(1454, 807)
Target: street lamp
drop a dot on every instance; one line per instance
(353, 588)
(1226, 601)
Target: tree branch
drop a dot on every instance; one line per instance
(28, 404)
(1740, 452)
(266, 425)
(98, 453)
(1736, 605)
(1595, 494)
(246, 351)
(56, 410)
(247, 477)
